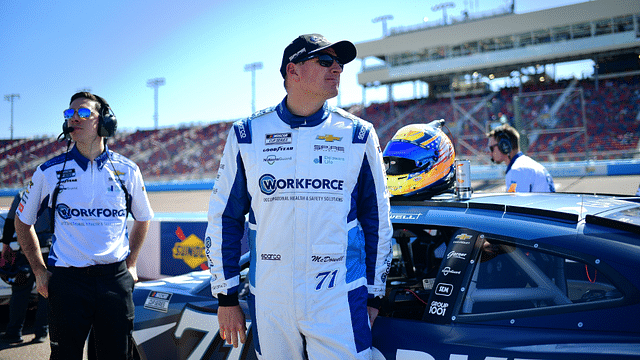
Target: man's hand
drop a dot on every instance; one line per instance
(373, 314)
(134, 273)
(232, 324)
(42, 282)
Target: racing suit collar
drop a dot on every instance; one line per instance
(83, 162)
(297, 121)
(514, 160)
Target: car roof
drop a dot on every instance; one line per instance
(619, 212)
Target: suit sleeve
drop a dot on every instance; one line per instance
(32, 198)
(373, 215)
(228, 205)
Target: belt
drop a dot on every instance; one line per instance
(94, 270)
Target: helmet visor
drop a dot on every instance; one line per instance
(405, 158)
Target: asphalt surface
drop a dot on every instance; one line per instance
(197, 201)
(26, 350)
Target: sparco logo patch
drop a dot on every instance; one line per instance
(270, 257)
(242, 131)
(362, 133)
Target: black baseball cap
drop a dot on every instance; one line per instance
(309, 44)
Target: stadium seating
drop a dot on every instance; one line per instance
(190, 152)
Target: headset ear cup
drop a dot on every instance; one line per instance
(504, 145)
(107, 125)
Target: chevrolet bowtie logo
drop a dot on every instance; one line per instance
(328, 138)
(463, 237)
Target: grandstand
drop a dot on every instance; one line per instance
(595, 118)
(193, 152)
(560, 120)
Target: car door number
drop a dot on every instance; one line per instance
(206, 322)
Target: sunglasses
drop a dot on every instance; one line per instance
(325, 60)
(83, 113)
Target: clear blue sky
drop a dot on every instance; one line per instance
(51, 49)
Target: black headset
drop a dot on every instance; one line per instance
(504, 143)
(107, 122)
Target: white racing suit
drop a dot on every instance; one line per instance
(319, 230)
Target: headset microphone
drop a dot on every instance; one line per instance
(66, 130)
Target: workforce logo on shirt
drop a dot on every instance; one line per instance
(269, 184)
(67, 213)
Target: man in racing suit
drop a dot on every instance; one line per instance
(312, 180)
(90, 272)
(523, 173)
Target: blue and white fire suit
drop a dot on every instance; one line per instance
(319, 229)
(527, 175)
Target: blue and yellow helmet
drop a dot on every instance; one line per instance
(420, 161)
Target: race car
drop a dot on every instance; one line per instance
(497, 276)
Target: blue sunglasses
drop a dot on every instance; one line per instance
(325, 60)
(83, 113)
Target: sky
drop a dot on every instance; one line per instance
(50, 49)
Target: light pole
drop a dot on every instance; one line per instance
(384, 19)
(443, 7)
(253, 67)
(155, 83)
(10, 98)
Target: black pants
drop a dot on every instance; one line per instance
(18, 305)
(98, 297)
